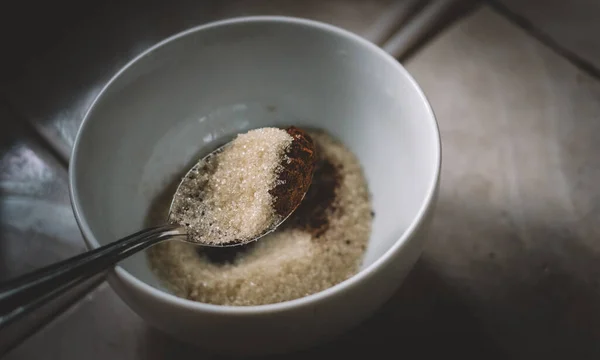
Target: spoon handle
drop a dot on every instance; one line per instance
(21, 295)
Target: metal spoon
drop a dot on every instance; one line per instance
(21, 295)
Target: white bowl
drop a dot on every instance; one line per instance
(180, 98)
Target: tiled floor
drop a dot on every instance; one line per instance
(517, 219)
(511, 269)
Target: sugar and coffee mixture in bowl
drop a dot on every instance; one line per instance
(320, 245)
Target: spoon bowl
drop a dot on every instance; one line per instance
(295, 172)
(183, 230)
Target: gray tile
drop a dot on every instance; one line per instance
(571, 25)
(517, 222)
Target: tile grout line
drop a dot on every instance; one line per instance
(393, 17)
(419, 29)
(411, 35)
(523, 23)
(52, 146)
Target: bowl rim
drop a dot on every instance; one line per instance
(357, 278)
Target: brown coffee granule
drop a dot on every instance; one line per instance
(313, 213)
(319, 246)
(296, 173)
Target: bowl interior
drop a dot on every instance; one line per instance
(193, 92)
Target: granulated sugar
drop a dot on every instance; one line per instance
(322, 244)
(226, 197)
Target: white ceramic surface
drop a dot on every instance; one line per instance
(189, 93)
